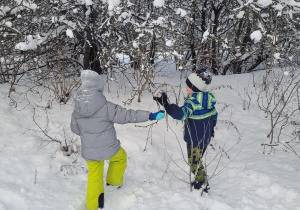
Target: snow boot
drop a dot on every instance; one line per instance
(101, 201)
(207, 187)
(199, 185)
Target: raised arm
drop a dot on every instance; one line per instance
(120, 115)
(175, 111)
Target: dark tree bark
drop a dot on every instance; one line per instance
(214, 47)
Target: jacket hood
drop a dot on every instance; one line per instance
(88, 102)
(91, 80)
(206, 99)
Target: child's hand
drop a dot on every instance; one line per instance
(163, 99)
(157, 115)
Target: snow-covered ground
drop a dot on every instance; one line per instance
(35, 175)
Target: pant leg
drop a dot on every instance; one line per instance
(195, 160)
(95, 183)
(116, 168)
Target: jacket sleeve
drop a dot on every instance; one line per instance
(179, 113)
(74, 125)
(120, 115)
(215, 119)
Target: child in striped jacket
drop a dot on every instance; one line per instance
(200, 117)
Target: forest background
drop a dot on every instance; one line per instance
(45, 44)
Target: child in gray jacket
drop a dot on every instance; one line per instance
(93, 119)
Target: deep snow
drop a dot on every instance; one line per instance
(35, 175)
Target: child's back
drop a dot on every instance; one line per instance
(200, 117)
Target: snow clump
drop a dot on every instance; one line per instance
(256, 36)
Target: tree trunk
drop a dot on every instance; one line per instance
(214, 48)
(152, 49)
(192, 39)
(90, 54)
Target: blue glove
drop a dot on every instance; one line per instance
(157, 115)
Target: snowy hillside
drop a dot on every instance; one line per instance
(35, 174)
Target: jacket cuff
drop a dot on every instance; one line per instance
(166, 105)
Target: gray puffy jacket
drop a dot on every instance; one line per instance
(93, 119)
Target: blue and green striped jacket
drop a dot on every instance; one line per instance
(199, 116)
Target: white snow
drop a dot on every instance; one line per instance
(29, 5)
(88, 2)
(248, 2)
(135, 44)
(205, 35)
(111, 3)
(158, 3)
(292, 3)
(159, 21)
(54, 19)
(8, 23)
(170, 43)
(240, 14)
(279, 7)
(31, 42)
(264, 3)
(181, 12)
(125, 15)
(277, 55)
(256, 36)
(176, 54)
(69, 33)
(35, 175)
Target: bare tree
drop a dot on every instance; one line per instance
(278, 97)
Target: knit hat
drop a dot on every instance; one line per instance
(91, 80)
(199, 80)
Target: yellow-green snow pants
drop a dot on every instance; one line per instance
(95, 186)
(195, 155)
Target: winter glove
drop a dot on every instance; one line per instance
(163, 99)
(157, 115)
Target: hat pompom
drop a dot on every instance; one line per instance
(205, 75)
(199, 80)
(91, 80)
